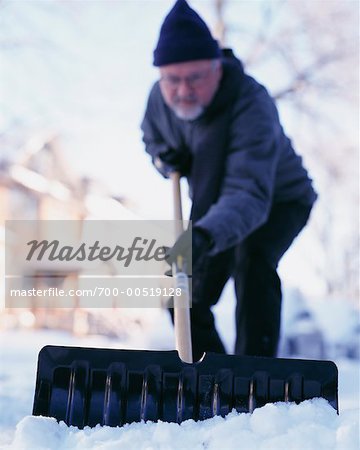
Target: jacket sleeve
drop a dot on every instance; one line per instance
(252, 156)
(154, 142)
(165, 158)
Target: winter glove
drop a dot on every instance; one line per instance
(193, 245)
(173, 161)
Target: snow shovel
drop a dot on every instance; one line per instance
(90, 386)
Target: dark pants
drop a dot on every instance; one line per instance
(253, 266)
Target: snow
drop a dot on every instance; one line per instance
(313, 424)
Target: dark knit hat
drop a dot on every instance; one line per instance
(184, 36)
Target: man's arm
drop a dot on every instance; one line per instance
(250, 166)
(154, 143)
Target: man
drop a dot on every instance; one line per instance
(250, 194)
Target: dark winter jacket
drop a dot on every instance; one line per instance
(242, 161)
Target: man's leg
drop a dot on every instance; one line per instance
(258, 308)
(257, 284)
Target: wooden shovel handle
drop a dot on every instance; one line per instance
(181, 303)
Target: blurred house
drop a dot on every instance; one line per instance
(36, 183)
(322, 329)
(305, 338)
(348, 346)
(340, 323)
(301, 333)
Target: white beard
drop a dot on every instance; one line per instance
(188, 113)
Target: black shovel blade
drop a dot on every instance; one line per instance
(90, 386)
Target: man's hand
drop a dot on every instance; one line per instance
(193, 246)
(173, 161)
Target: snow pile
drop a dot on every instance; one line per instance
(313, 424)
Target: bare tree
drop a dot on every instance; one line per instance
(314, 47)
(220, 28)
(25, 37)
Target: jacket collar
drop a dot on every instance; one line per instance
(233, 73)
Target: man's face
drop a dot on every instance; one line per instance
(189, 87)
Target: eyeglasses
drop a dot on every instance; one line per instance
(194, 80)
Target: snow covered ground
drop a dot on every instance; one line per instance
(310, 425)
